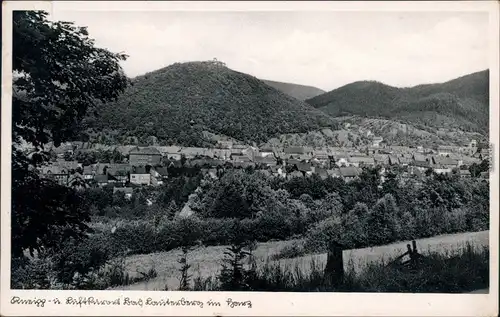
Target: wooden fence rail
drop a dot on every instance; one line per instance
(414, 260)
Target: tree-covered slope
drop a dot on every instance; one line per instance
(365, 98)
(461, 103)
(300, 92)
(177, 103)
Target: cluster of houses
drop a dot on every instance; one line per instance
(150, 165)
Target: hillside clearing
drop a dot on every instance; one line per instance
(206, 261)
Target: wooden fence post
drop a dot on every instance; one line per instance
(334, 269)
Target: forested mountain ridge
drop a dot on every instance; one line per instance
(300, 92)
(177, 103)
(460, 103)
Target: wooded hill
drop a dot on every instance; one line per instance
(296, 91)
(460, 103)
(177, 103)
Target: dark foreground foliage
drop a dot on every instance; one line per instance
(457, 271)
(74, 268)
(58, 77)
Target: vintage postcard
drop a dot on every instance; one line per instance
(249, 158)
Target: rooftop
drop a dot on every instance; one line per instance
(139, 170)
(101, 178)
(297, 150)
(126, 190)
(144, 151)
(304, 167)
(349, 171)
(361, 159)
(162, 171)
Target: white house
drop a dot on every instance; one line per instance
(266, 151)
(376, 141)
(342, 161)
(278, 171)
(140, 176)
(442, 170)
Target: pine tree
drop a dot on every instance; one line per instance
(185, 279)
(233, 275)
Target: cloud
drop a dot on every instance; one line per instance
(326, 50)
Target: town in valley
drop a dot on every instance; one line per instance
(132, 166)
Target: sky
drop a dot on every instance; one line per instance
(322, 49)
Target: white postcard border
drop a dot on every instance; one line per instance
(263, 304)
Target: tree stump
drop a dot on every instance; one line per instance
(334, 269)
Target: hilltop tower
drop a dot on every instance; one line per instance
(473, 147)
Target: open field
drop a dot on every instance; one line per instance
(206, 261)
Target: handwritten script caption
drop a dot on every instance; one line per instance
(127, 301)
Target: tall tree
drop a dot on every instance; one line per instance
(59, 75)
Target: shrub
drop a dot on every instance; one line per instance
(205, 284)
(382, 221)
(319, 237)
(355, 228)
(179, 232)
(248, 230)
(273, 225)
(115, 274)
(78, 259)
(136, 236)
(290, 251)
(455, 220)
(37, 273)
(218, 231)
(407, 227)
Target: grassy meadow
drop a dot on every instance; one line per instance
(206, 261)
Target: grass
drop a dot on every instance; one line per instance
(461, 270)
(206, 261)
(40, 274)
(362, 257)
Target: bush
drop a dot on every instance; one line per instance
(290, 251)
(78, 259)
(319, 237)
(407, 228)
(355, 230)
(136, 236)
(382, 221)
(179, 232)
(37, 273)
(218, 231)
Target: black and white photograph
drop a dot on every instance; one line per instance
(279, 151)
